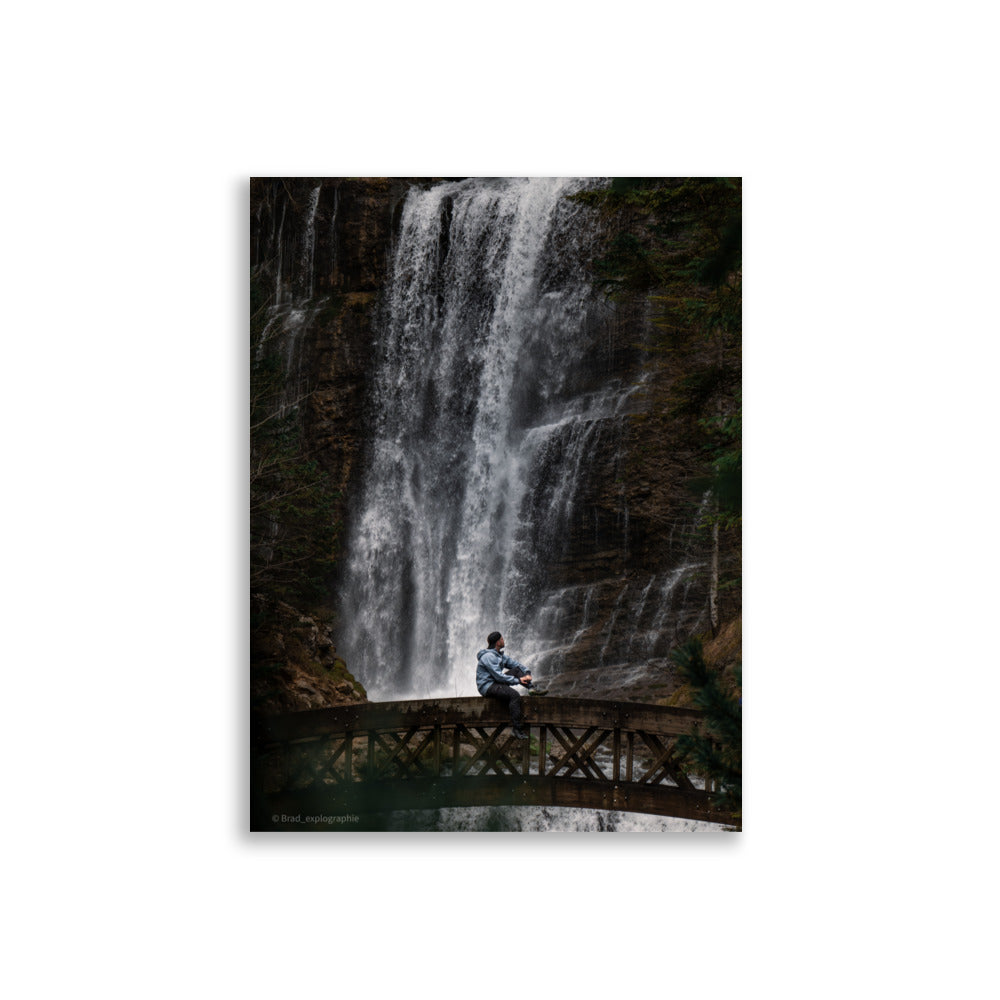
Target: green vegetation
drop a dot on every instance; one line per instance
(678, 244)
(715, 751)
(678, 241)
(724, 450)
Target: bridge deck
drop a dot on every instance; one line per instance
(366, 759)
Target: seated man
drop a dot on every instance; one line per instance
(493, 682)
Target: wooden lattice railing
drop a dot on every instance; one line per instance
(385, 756)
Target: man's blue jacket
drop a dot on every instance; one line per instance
(490, 665)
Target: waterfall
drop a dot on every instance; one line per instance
(279, 244)
(292, 311)
(306, 277)
(492, 405)
(479, 429)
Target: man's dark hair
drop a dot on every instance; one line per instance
(491, 639)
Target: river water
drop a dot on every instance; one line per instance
(541, 819)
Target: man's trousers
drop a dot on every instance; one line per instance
(507, 693)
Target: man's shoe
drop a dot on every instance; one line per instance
(519, 733)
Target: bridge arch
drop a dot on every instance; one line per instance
(339, 768)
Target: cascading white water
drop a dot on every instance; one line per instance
(279, 243)
(490, 400)
(542, 819)
(309, 243)
(478, 430)
(292, 310)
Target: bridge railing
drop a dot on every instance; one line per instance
(385, 756)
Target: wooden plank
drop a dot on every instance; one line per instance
(414, 754)
(598, 771)
(307, 764)
(392, 749)
(328, 769)
(481, 749)
(382, 741)
(577, 712)
(567, 741)
(498, 753)
(664, 759)
(403, 754)
(584, 763)
(382, 715)
(659, 756)
(392, 795)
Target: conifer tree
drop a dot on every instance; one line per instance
(715, 750)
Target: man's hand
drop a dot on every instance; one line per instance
(525, 679)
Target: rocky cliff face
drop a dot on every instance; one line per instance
(636, 567)
(320, 249)
(294, 662)
(317, 258)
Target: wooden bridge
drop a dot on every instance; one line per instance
(337, 768)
